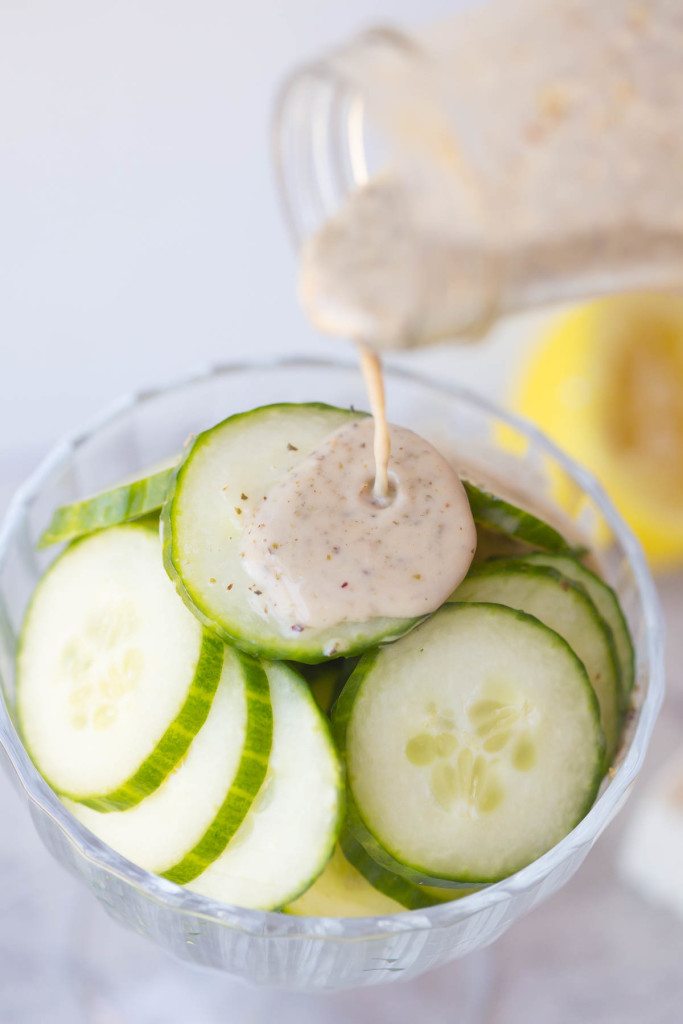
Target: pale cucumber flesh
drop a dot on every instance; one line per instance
(353, 885)
(245, 784)
(175, 823)
(607, 603)
(290, 832)
(224, 474)
(564, 607)
(472, 745)
(115, 677)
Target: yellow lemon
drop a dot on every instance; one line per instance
(606, 383)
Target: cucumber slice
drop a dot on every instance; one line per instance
(120, 505)
(409, 895)
(188, 821)
(226, 471)
(497, 545)
(290, 832)
(564, 607)
(342, 891)
(472, 745)
(354, 885)
(327, 680)
(607, 603)
(115, 677)
(500, 516)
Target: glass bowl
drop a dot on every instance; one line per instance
(271, 948)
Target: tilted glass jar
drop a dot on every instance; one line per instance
(518, 155)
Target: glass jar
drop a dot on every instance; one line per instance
(522, 154)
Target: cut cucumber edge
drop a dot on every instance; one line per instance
(414, 875)
(174, 741)
(355, 824)
(245, 785)
(190, 806)
(606, 601)
(341, 892)
(229, 879)
(610, 699)
(408, 894)
(324, 725)
(307, 649)
(362, 832)
(121, 504)
(502, 517)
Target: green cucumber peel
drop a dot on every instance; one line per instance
(175, 741)
(360, 830)
(355, 825)
(605, 599)
(500, 516)
(290, 832)
(412, 874)
(121, 504)
(328, 734)
(611, 702)
(247, 782)
(408, 894)
(309, 646)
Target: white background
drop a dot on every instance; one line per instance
(140, 236)
(140, 232)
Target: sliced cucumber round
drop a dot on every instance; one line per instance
(114, 676)
(409, 895)
(607, 603)
(110, 508)
(224, 474)
(289, 834)
(188, 821)
(472, 745)
(516, 524)
(565, 607)
(496, 545)
(342, 891)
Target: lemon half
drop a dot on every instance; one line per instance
(606, 383)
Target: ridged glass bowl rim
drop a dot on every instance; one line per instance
(270, 923)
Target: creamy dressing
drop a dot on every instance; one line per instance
(386, 270)
(322, 551)
(371, 366)
(374, 523)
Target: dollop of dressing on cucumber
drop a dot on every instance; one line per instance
(322, 550)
